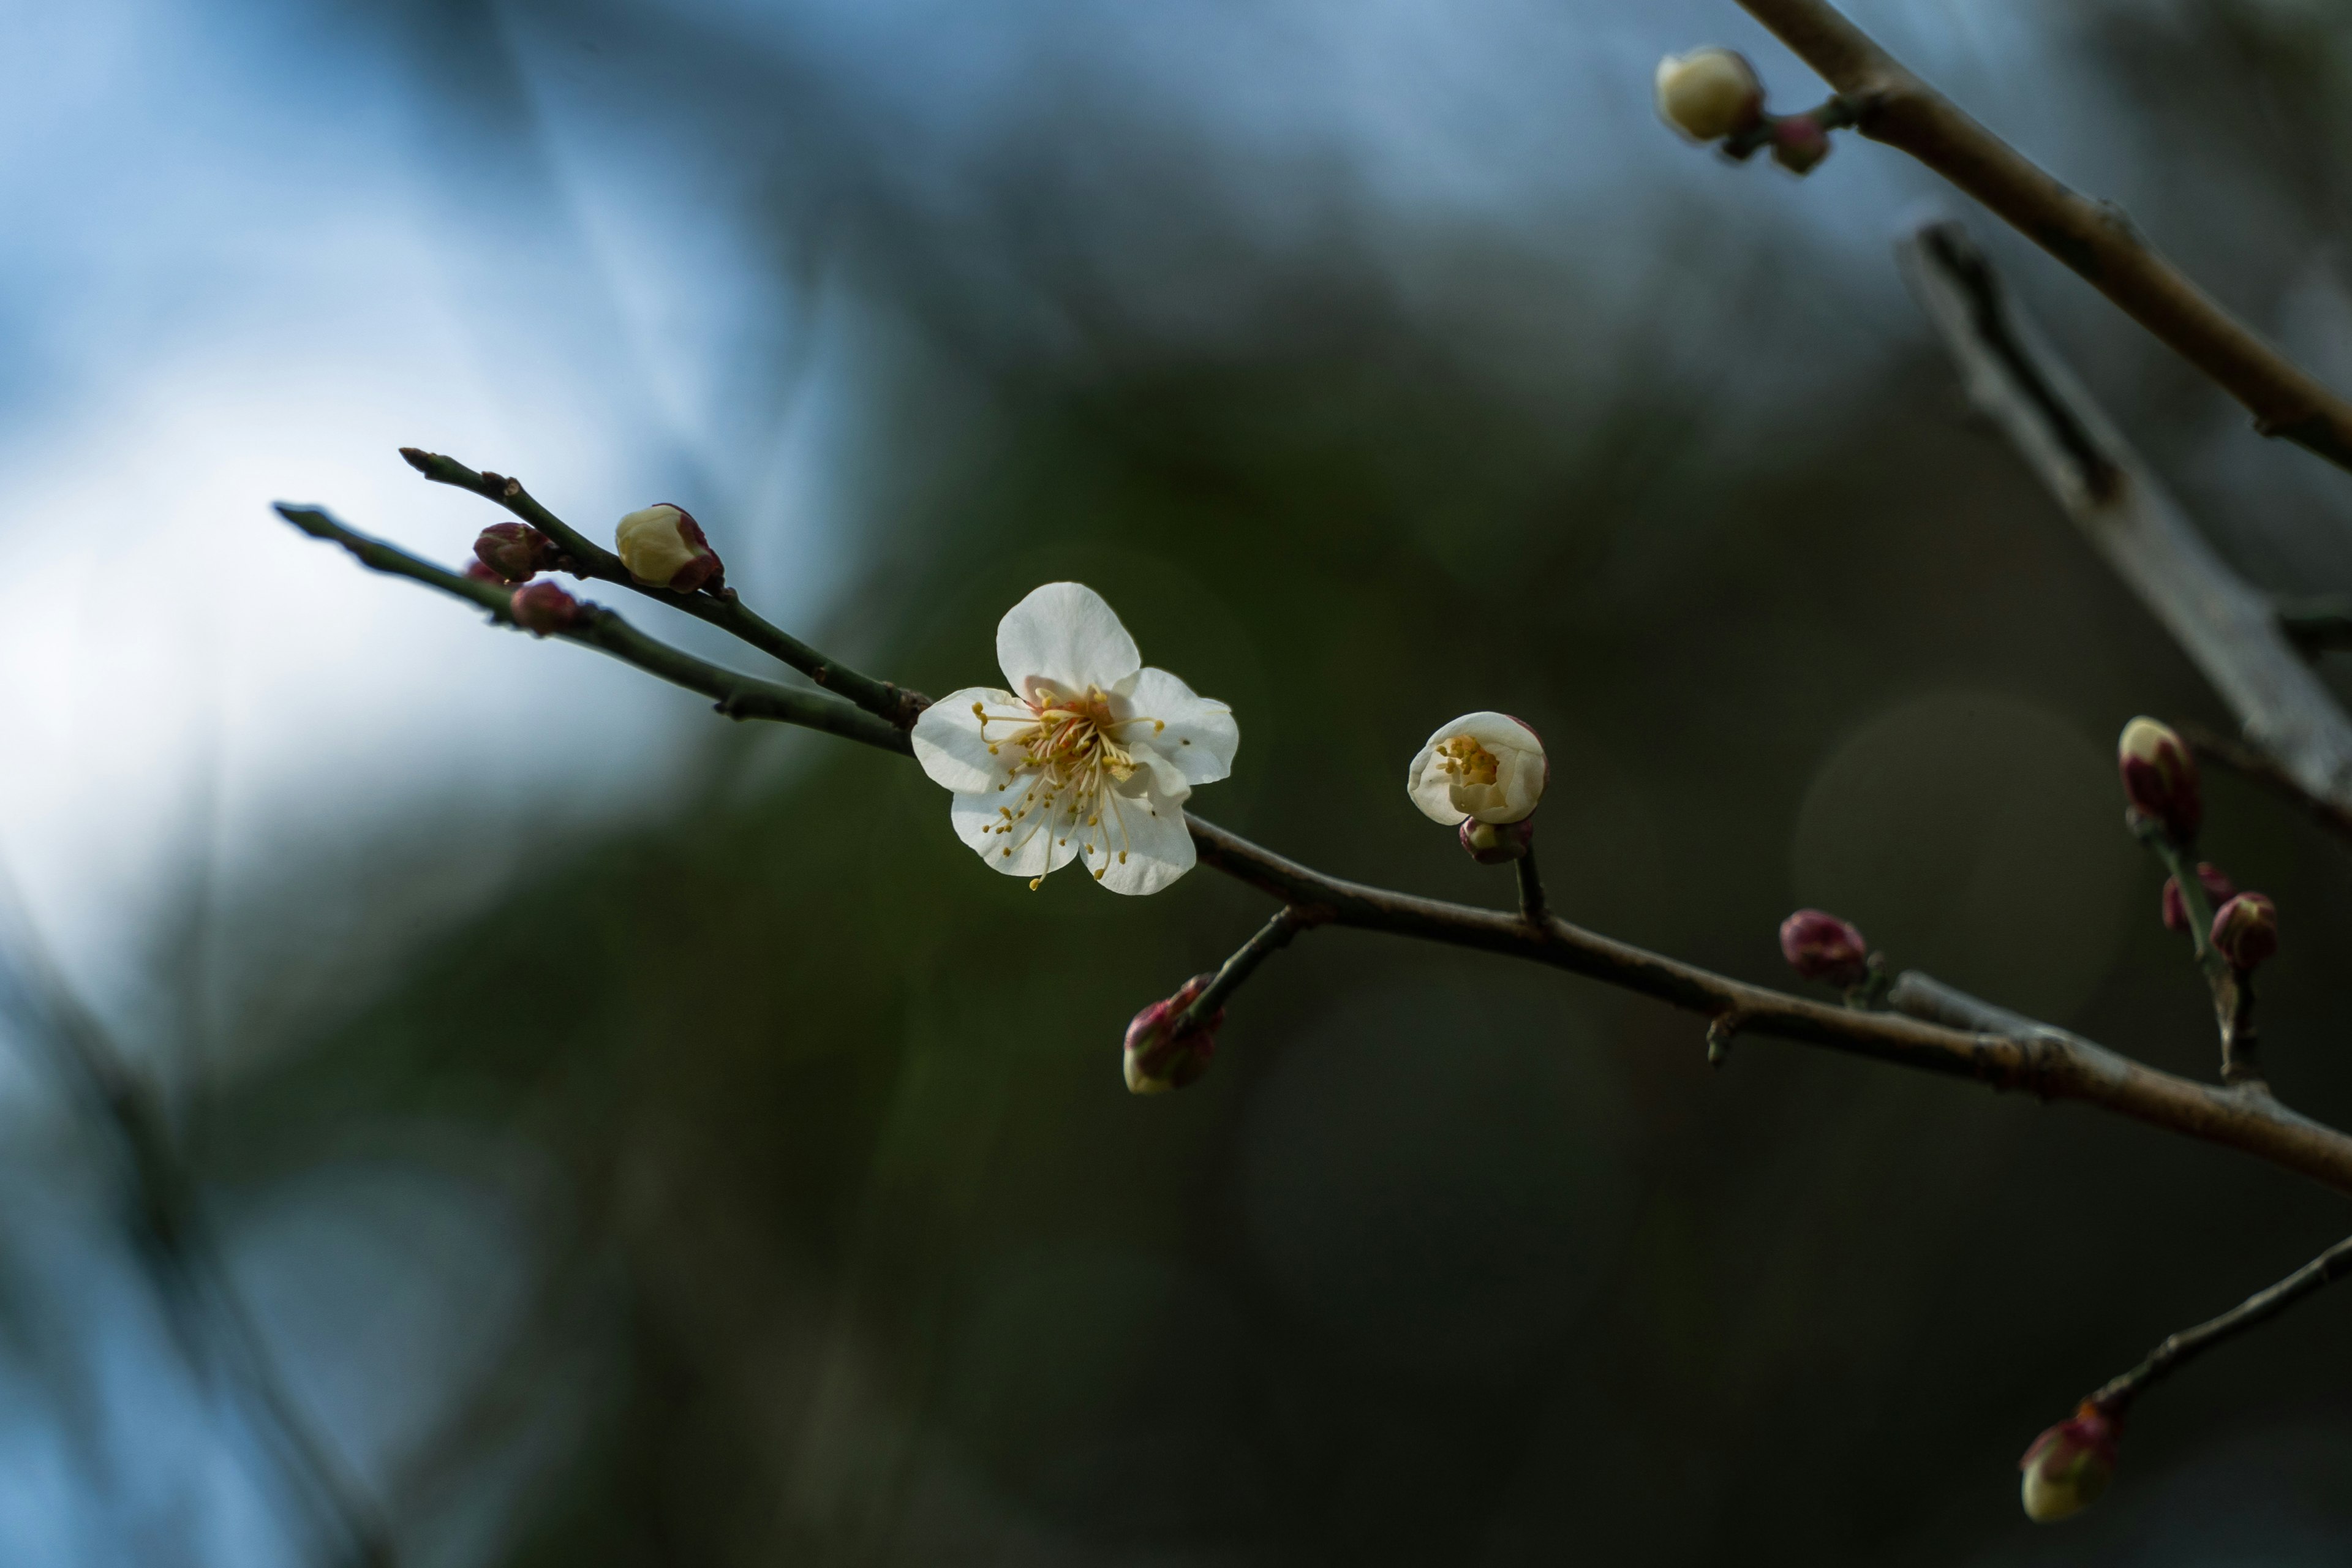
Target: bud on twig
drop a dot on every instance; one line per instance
(2070, 1465)
(2218, 889)
(2245, 931)
(1819, 946)
(544, 608)
(1498, 843)
(1160, 1055)
(663, 545)
(2159, 780)
(515, 551)
(1799, 143)
(1708, 94)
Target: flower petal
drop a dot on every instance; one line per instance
(1197, 733)
(952, 744)
(1144, 843)
(1015, 829)
(1430, 786)
(1064, 636)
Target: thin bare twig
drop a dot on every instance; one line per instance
(2179, 1349)
(2096, 238)
(2239, 757)
(177, 1243)
(2227, 628)
(737, 695)
(2053, 1067)
(1269, 939)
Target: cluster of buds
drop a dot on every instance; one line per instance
(1819, 946)
(2163, 801)
(1714, 95)
(2070, 1465)
(544, 609)
(663, 546)
(513, 553)
(1160, 1053)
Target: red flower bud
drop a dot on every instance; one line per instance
(2070, 1465)
(2245, 931)
(515, 551)
(1159, 1058)
(541, 609)
(1819, 946)
(2218, 888)
(2160, 779)
(1498, 843)
(1799, 143)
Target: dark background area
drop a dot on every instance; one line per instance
(743, 1176)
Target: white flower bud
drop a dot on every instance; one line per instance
(663, 545)
(1487, 766)
(1708, 94)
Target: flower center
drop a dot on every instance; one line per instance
(1068, 745)
(1467, 762)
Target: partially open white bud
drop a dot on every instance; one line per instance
(1708, 94)
(663, 544)
(1487, 766)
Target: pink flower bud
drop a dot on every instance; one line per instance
(1799, 143)
(1498, 843)
(2245, 931)
(2218, 889)
(1819, 946)
(2070, 1465)
(2160, 779)
(1158, 1057)
(515, 551)
(541, 609)
(663, 544)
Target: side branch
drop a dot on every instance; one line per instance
(2044, 1062)
(2189, 1343)
(737, 695)
(2095, 238)
(893, 704)
(2228, 629)
(2257, 765)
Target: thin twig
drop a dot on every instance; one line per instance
(893, 704)
(1269, 938)
(1532, 904)
(2227, 628)
(737, 695)
(2239, 757)
(2189, 1343)
(2095, 238)
(177, 1241)
(2061, 1067)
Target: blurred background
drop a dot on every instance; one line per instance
(569, 1129)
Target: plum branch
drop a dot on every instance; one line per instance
(1890, 103)
(2047, 1064)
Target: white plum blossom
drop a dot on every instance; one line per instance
(1487, 766)
(1089, 757)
